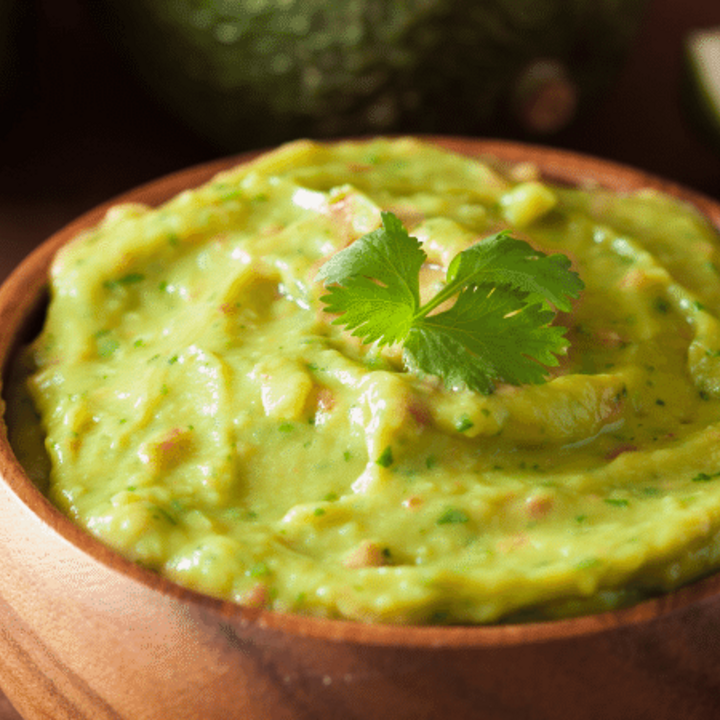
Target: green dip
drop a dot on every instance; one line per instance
(202, 416)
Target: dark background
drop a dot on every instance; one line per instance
(84, 131)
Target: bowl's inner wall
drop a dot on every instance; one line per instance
(27, 332)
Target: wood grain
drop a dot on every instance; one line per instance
(86, 634)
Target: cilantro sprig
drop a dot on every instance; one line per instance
(498, 328)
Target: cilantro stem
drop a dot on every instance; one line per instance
(442, 296)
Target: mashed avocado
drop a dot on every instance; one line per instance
(202, 415)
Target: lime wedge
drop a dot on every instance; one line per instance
(702, 81)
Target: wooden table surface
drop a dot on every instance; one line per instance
(85, 132)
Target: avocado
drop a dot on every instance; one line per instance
(245, 73)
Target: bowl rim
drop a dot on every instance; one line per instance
(28, 282)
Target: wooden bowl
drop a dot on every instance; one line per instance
(84, 633)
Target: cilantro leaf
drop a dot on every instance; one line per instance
(498, 328)
(490, 334)
(503, 260)
(375, 283)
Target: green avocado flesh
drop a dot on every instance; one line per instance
(201, 414)
(255, 72)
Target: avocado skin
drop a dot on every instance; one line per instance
(247, 73)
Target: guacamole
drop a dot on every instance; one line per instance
(200, 412)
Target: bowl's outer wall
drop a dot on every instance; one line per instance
(85, 634)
